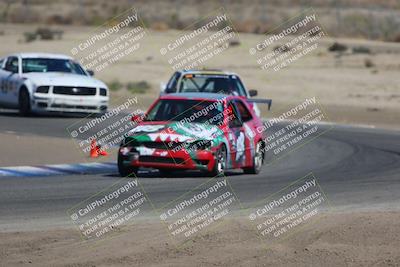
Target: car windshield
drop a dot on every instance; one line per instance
(199, 111)
(222, 84)
(51, 65)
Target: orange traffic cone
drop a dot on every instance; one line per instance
(101, 152)
(93, 149)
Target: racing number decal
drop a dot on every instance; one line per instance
(7, 85)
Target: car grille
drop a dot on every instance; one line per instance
(162, 145)
(154, 159)
(73, 106)
(156, 145)
(70, 90)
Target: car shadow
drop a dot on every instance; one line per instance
(172, 175)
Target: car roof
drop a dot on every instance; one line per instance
(42, 55)
(208, 72)
(203, 96)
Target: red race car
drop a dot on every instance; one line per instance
(195, 131)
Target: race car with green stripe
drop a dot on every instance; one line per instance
(195, 131)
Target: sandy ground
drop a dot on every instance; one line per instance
(334, 239)
(350, 92)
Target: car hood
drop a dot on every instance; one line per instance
(175, 132)
(62, 79)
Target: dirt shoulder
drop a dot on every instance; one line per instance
(335, 239)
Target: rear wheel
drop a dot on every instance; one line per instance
(24, 103)
(124, 170)
(220, 162)
(258, 160)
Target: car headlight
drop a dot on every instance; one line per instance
(103, 91)
(42, 89)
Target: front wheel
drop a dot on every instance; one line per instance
(220, 162)
(24, 103)
(258, 161)
(125, 171)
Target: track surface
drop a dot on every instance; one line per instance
(358, 168)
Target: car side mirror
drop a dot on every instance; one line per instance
(91, 72)
(253, 92)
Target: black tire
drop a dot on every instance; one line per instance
(220, 164)
(126, 171)
(24, 102)
(258, 160)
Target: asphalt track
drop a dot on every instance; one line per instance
(358, 168)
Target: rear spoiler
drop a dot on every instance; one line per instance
(262, 101)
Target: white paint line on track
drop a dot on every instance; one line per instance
(28, 171)
(58, 169)
(63, 169)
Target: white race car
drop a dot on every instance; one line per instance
(34, 82)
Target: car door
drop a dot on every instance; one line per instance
(236, 137)
(9, 82)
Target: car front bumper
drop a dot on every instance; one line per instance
(69, 103)
(166, 159)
